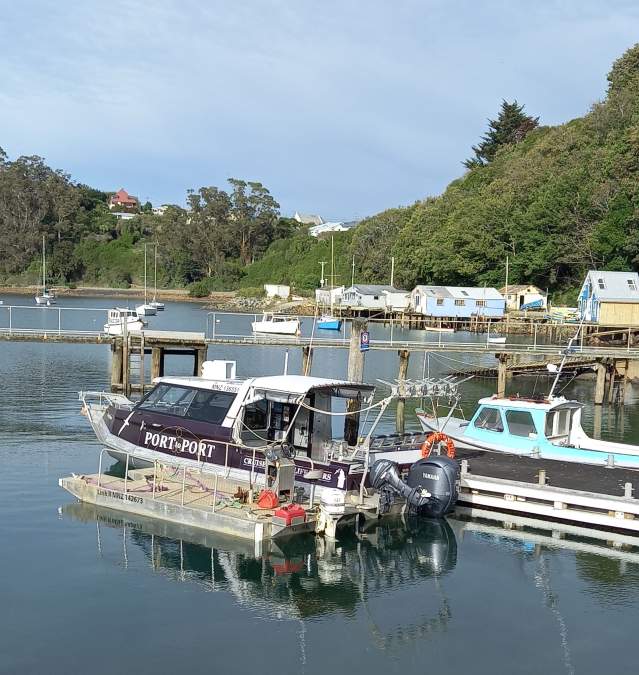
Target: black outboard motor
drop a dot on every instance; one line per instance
(430, 489)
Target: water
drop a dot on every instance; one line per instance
(85, 589)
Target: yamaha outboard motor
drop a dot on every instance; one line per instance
(430, 489)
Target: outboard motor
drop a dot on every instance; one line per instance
(430, 489)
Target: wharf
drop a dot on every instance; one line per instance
(584, 494)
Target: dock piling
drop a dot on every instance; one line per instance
(600, 384)
(404, 356)
(355, 374)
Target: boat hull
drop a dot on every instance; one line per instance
(329, 324)
(116, 328)
(146, 310)
(277, 328)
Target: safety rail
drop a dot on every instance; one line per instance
(185, 472)
(53, 320)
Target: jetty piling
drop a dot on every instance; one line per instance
(404, 356)
(355, 374)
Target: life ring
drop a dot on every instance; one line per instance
(438, 437)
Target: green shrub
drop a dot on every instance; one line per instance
(199, 289)
(252, 292)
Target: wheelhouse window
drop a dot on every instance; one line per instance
(520, 423)
(256, 415)
(490, 419)
(558, 423)
(203, 405)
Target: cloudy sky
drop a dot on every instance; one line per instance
(339, 107)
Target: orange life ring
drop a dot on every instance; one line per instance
(438, 437)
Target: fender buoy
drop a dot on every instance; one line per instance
(438, 437)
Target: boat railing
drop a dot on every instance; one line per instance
(182, 478)
(104, 398)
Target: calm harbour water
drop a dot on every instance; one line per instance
(85, 589)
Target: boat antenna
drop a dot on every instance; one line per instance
(567, 352)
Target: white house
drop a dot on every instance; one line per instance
(457, 301)
(610, 298)
(376, 297)
(323, 295)
(277, 291)
(308, 218)
(520, 296)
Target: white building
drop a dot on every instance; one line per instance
(323, 295)
(308, 218)
(277, 291)
(377, 297)
(520, 296)
(457, 301)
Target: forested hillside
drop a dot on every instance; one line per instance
(555, 200)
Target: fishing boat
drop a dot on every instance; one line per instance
(47, 297)
(547, 427)
(145, 309)
(159, 306)
(330, 321)
(119, 320)
(277, 324)
(250, 429)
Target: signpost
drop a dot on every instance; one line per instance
(364, 341)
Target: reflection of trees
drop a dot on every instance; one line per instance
(609, 579)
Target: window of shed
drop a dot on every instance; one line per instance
(602, 284)
(632, 285)
(520, 423)
(460, 303)
(440, 302)
(489, 418)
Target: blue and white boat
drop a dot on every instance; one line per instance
(329, 322)
(547, 428)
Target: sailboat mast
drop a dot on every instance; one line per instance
(44, 268)
(145, 274)
(155, 272)
(332, 273)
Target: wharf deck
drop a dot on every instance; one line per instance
(588, 495)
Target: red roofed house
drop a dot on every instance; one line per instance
(123, 200)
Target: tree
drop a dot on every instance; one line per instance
(511, 126)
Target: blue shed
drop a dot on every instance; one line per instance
(457, 302)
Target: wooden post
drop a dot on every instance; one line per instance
(355, 374)
(600, 385)
(142, 363)
(502, 372)
(126, 364)
(116, 365)
(404, 355)
(155, 362)
(307, 359)
(199, 357)
(612, 371)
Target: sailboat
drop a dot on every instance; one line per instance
(47, 297)
(159, 306)
(146, 309)
(330, 321)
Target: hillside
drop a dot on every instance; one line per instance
(561, 201)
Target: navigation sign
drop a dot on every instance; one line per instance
(364, 341)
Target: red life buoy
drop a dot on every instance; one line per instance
(438, 437)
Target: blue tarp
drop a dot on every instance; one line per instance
(536, 304)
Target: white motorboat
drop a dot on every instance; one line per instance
(120, 319)
(47, 297)
(146, 309)
(277, 324)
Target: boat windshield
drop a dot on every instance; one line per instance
(558, 423)
(490, 419)
(203, 405)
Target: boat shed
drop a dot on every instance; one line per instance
(522, 296)
(457, 302)
(610, 298)
(376, 297)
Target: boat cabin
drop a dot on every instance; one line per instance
(254, 412)
(523, 423)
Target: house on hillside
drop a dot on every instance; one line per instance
(457, 302)
(308, 218)
(520, 296)
(340, 226)
(610, 298)
(375, 297)
(123, 201)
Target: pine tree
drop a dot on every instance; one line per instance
(511, 126)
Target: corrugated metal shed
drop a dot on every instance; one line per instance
(617, 286)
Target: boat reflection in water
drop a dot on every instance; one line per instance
(303, 577)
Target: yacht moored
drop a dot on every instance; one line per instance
(118, 318)
(277, 324)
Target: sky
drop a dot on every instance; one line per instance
(342, 108)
